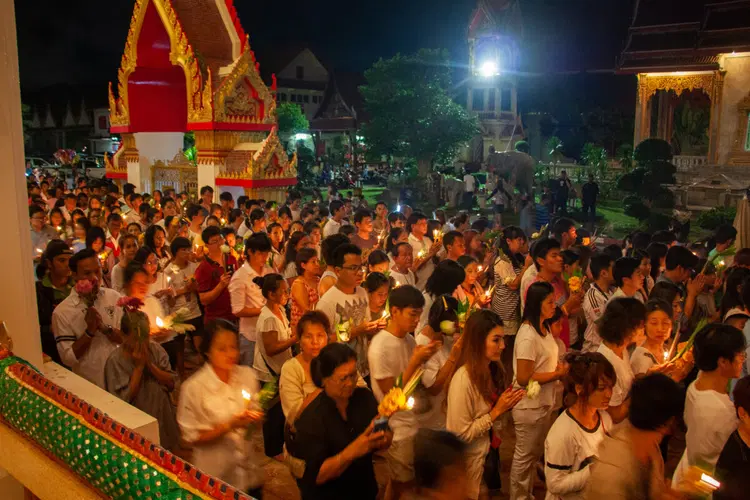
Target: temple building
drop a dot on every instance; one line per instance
(692, 61)
(494, 34)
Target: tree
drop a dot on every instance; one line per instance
(291, 121)
(650, 199)
(555, 148)
(411, 112)
(596, 158)
(625, 156)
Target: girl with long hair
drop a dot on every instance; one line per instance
(476, 392)
(378, 287)
(574, 438)
(305, 288)
(395, 236)
(128, 245)
(156, 240)
(297, 242)
(535, 358)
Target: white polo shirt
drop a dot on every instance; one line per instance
(244, 293)
(69, 324)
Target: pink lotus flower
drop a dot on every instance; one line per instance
(84, 287)
(130, 304)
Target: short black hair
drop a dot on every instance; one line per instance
(114, 217)
(598, 263)
(335, 206)
(212, 328)
(86, 253)
(725, 233)
(330, 244)
(303, 257)
(480, 225)
(664, 236)
(269, 283)
(257, 242)
(377, 257)
(665, 290)
(256, 215)
(361, 214)
(434, 451)
(210, 232)
(715, 341)
(331, 357)
(444, 308)
(640, 240)
(542, 248)
(570, 257)
(311, 226)
(621, 318)
(741, 394)
(93, 234)
(535, 295)
(682, 257)
(194, 210)
(342, 251)
(415, 217)
(346, 230)
(446, 277)
(285, 211)
(450, 237)
(562, 226)
(206, 189)
(394, 216)
(614, 251)
(406, 296)
(226, 196)
(624, 268)
(396, 250)
(654, 400)
(178, 244)
(375, 281)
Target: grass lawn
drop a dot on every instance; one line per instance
(371, 194)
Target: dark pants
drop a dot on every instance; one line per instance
(273, 431)
(468, 201)
(589, 207)
(561, 205)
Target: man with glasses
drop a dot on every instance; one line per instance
(213, 276)
(346, 305)
(41, 232)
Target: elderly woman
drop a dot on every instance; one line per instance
(214, 415)
(335, 433)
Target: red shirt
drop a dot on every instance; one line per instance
(208, 275)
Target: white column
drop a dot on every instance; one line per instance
(18, 304)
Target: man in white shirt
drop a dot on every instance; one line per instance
(70, 205)
(423, 248)
(134, 216)
(628, 278)
(596, 299)
(245, 295)
(347, 303)
(403, 257)
(469, 185)
(394, 352)
(86, 336)
(338, 211)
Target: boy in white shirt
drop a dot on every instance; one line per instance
(710, 415)
(596, 299)
(394, 352)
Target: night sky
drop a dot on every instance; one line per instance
(81, 41)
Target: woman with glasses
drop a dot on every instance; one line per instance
(41, 233)
(335, 433)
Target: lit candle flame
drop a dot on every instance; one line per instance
(480, 269)
(713, 483)
(159, 322)
(410, 402)
(59, 228)
(223, 221)
(169, 278)
(398, 284)
(666, 355)
(247, 397)
(721, 263)
(421, 254)
(40, 250)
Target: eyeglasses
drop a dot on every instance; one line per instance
(353, 268)
(352, 377)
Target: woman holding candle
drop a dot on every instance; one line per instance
(573, 440)
(305, 288)
(213, 415)
(297, 242)
(156, 240)
(128, 245)
(535, 358)
(378, 287)
(272, 349)
(335, 435)
(476, 392)
(95, 239)
(470, 291)
(652, 354)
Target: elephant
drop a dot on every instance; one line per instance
(516, 167)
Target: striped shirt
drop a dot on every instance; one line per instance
(593, 307)
(505, 301)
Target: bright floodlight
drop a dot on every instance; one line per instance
(489, 68)
(302, 137)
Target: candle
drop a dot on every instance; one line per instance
(410, 402)
(666, 355)
(398, 284)
(247, 397)
(169, 278)
(480, 268)
(159, 322)
(721, 263)
(421, 254)
(711, 482)
(223, 221)
(58, 228)
(435, 234)
(40, 250)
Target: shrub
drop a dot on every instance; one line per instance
(652, 150)
(713, 218)
(523, 147)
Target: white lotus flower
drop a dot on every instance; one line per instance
(448, 327)
(532, 389)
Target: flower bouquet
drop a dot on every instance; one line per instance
(574, 281)
(448, 328)
(343, 330)
(399, 398)
(540, 233)
(463, 312)
(225, 249)
(88, 291)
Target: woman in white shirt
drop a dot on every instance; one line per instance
(621, 325)
(128, 248)
(535, 358)
(214, 415)
(574, 438)
(476, 398)
(710, 416)
(272, 350)
(655, 348)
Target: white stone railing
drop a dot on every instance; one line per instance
(686, 163)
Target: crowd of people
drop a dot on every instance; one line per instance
(309, 316)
